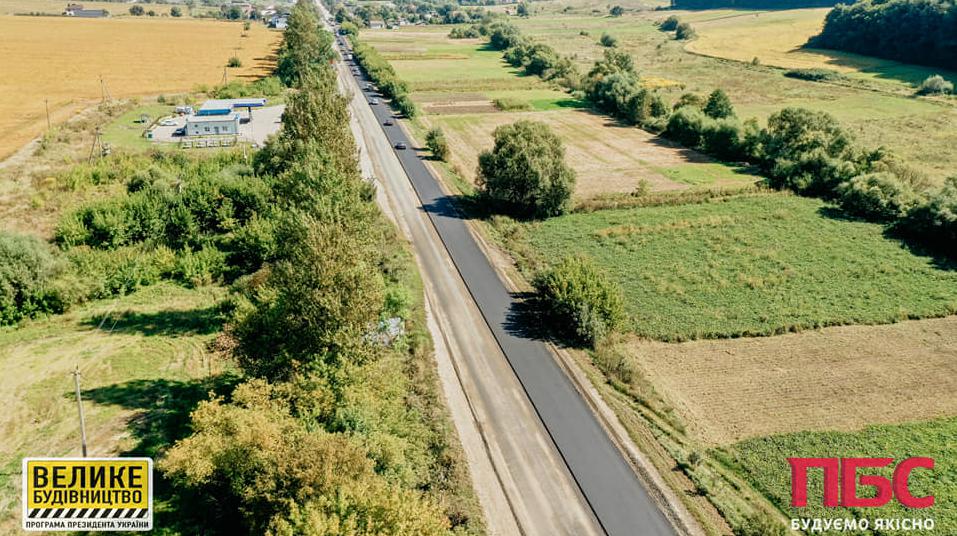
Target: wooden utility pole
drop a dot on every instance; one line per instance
(46, 103)
(79, 407)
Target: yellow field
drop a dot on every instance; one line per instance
(776, 38)
(62, 59)
(10, 7)
(841, 378)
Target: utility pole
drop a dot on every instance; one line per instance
(46, 103)
(79, 407)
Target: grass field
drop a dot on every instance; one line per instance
(142, 359)
(62, 59)
(877, 106)
(751, 265)
(777, 37)
(764, 461)
(867, 375)
(607, 158)
(455, 82)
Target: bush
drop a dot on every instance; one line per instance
(508, 104)
(877, 196)
(234, 61)
(616, 11)
(935, 85)
(525, 173)
(608, 40)
(686, 126)
(27, 270)
(437, 143)
(684, 31)
(137, 10)
(175, 11)
(200, 268)
(934, 221)
(815, 75)
(580, 299)
(465, 32)
(724, 139)
(670, 24)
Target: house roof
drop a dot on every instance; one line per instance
(212, 118)
(225, 106)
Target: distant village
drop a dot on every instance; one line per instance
(273, 16)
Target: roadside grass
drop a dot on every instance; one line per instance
(753, 265)
(707, 173)
(144, 362)
(877, 103)
(763, 462)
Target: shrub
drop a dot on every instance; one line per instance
(616, 11)
(934, 221)
(719, 105)
(724, 139)
(608, 40)
(175, 11)
(580, 299)
(465, 32)
(137, 10)
(814, 75)
(525, 173)
(670, 24)
(760, 524)
(27, 269)
(691, 100)
(437, 143)
(234, 61)
(686, 126)
(877, 196)
(508, 104)
(684, 31)
(935, 85)
(199, 268)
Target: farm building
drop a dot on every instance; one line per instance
(76, 10)
(212, 125)
(228, 106)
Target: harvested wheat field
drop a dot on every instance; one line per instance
(62, 59)
(608, 157)
(841, 378)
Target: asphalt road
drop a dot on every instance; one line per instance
(612, 491)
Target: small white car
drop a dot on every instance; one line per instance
(167, 123)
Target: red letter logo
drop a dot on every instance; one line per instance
(841, 482)
(902, 475)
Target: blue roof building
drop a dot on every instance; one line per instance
(228, 106)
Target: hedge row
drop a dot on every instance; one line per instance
(384, 76)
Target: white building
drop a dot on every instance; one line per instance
(212, 125)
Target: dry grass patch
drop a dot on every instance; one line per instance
(841, 378)
(608, 158)
(62, 59)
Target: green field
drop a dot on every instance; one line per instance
(764, 462)
(747, 265)
(876, 104)
(143, 360)
(126, 132)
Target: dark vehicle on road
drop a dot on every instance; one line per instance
(388, 123)
(401, 145)
(374, 101)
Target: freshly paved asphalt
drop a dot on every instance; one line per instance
(619, 500)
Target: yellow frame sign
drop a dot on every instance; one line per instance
(87, 494)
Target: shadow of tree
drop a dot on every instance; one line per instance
(169, 323)
(940, 257)
(526, 318)
(162, 414)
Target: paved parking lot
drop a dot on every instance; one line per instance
(265, 121)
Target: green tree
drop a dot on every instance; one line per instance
(522, 10)
(27, 270)
(137, 10)
(877, 196)
(580, 299)
(525, 173)
(234, 13)
(617, 11)
(719, 105)
(935, 85)
(670, 24)
(175, 11)
(437, 143)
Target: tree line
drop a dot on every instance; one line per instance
(912, 31)
(382, 74)
(750, 4)
(336, 425)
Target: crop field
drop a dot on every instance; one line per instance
(867, 375)
(55, 7)
(876, 105)
(749, 266)
(777, 37)
(456, 80)
(608, 158)
(764, 462)
(61, 60)
(143, 359)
